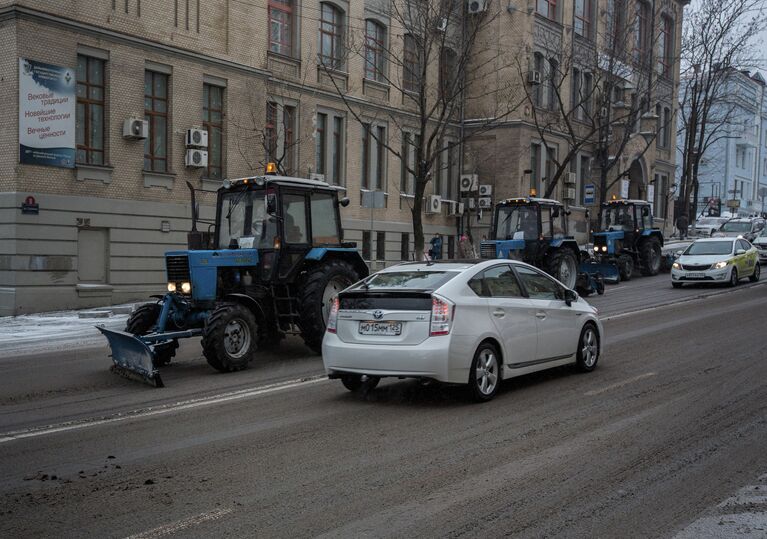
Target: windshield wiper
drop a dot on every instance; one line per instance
(232, 205)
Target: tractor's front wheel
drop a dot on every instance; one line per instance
(650, 253)
(315, 298)
(142, 321)
(563, 266)
(230, 337)
(625, 267)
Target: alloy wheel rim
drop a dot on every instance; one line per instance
(487, 372)
(334, 286)
(734, 276)
(237, 338)
(589, 348)
(757, 270)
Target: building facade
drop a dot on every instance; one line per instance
(734, 167)
(269, 80)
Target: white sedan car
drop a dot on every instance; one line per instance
(458, 322)
(723, 260)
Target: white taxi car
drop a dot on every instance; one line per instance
(474, 323)
(760, 242)
(723, 260)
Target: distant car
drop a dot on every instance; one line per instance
(475, 323)
(760, 242)
(705, 226)
(744, 227)
(723, 260)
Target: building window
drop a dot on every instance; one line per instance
(585, 176)
(381, 246)
(279, 136)
(331, 36)
(661, 196)
(447, 76)
(156, 114)
(642, 32)
(373, 157)
(538, 66)
(404, 249)
(665, 46)
(366, 247)
(321, 141)
(380, 183)
(552, 99)
(375, 41)
(740, 157)
(452, 170)
(213, 123)
(90, 110)
(618, 26)
(281, 27)
(411, 65)
(659, 126)
(547, 8)
(535, 165)
(404, 181)
(582, 21)
(336, 152)
(365, 184)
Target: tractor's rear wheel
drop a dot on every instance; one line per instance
(563, 266)
(142, 321)
(650, 253)
(230, 337)
(315, 297)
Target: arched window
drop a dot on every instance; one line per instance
(281, 26)
(411, 64)
(331, 36)
(375, 43)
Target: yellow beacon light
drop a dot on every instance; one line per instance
(533, 192)
(271, 168)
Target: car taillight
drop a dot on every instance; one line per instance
(333, 316)
(442, 313)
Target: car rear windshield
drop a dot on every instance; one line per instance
(709, 248)
(736, 227)
(409, 280)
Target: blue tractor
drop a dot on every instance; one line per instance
(271, 267)
(627, 239)
(543, 233)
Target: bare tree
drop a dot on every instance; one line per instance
(717, 40)
(596, 96)
(433, 54)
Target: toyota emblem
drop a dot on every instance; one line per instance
(378, 315)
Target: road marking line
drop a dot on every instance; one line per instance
(174, 527)
(161, 409)
(620, 384)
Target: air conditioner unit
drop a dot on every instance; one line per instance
(196, 158)
(442, 24)
(569, 193)
(135, 128)
(476, 6)
(571, 178)
(472, 202)
(485, 202)
(316, 176)
(534, 77)
(434, 204)
(196, 138)
(485, 190)
(469, 183)
(460, 209)
(451, 207)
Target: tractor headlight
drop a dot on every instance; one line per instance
(186, 288)
(722, 264)
(604, 248)
(676, 265)
(171, 287)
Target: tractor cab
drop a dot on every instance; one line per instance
(540, 232)
(628, 238)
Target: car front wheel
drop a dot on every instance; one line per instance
(734, 277)
(485, 373)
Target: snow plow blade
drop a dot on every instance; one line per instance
(133, 358)
(609, 272)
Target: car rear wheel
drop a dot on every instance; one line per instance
(755, 276)
(734, 277)
(485, 373)
(587, 354)
(676, 285)
(354, 382)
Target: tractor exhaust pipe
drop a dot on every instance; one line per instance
(195, 240)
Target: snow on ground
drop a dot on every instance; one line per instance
(44, 332)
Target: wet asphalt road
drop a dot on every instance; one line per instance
(673, 421)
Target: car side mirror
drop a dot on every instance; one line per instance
(570, 296)
(740, 252)
(646, 211)
(271, 204)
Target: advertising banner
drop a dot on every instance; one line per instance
(47, 105)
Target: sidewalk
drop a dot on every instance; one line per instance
(45, 332)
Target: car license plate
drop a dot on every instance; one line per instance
(386, 329)
(695, 275)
